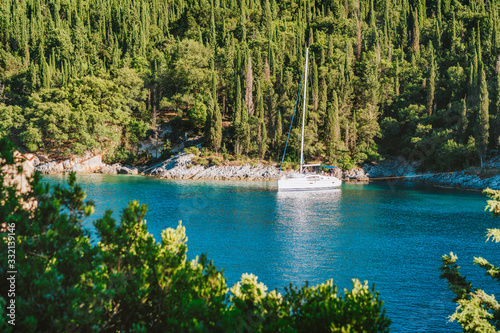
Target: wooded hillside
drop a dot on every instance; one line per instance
(418, 79)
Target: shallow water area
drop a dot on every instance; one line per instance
(391, 234)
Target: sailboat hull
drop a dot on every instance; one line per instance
(309, 183)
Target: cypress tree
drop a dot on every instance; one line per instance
(323, 99)
(422, 12)
(332, 129)
(264, 140)
(46, 77)
(330, 47)
(453, 34)
(416, 33)
(315, 84)
(216, 118)
(439, 15)
(358, 38)
(216, 132)
(372, 15)
(213, 37)
(463, 122)
(249, 88)
(267, 19)
(482, 122)
(243, 22)
(396, 83)
(432, 82)
(278, 132)
(259, 105)
(237, 108)
(267, 72)
(496, 132)
(210, 110)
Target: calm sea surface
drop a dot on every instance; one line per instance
(391, 234)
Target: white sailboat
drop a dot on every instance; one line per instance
(303, 181)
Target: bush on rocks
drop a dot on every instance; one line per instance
(199, 161)
(192, 150)
(214, 160)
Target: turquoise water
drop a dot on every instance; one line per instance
(391, 234)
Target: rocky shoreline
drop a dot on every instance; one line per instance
(400, 169)
(182, 166)
(88, 163)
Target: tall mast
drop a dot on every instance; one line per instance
(304, 113)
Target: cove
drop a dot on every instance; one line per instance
(391, 234)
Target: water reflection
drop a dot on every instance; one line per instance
(301, 217)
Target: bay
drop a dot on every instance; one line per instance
(391, 234)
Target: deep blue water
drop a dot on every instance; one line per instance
(391, 234)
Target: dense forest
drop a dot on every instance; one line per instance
(416, 79)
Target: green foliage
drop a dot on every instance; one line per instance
(199, 161)
(358, 310)
(198, 115)
(455, 156)
(214, 160)
(345, 162)
(166, 149)
(81, 73)
(192, 150)
(129, 282)
(476, 310)
(11, 119)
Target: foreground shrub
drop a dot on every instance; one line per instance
(129, 282)
(477, 311)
